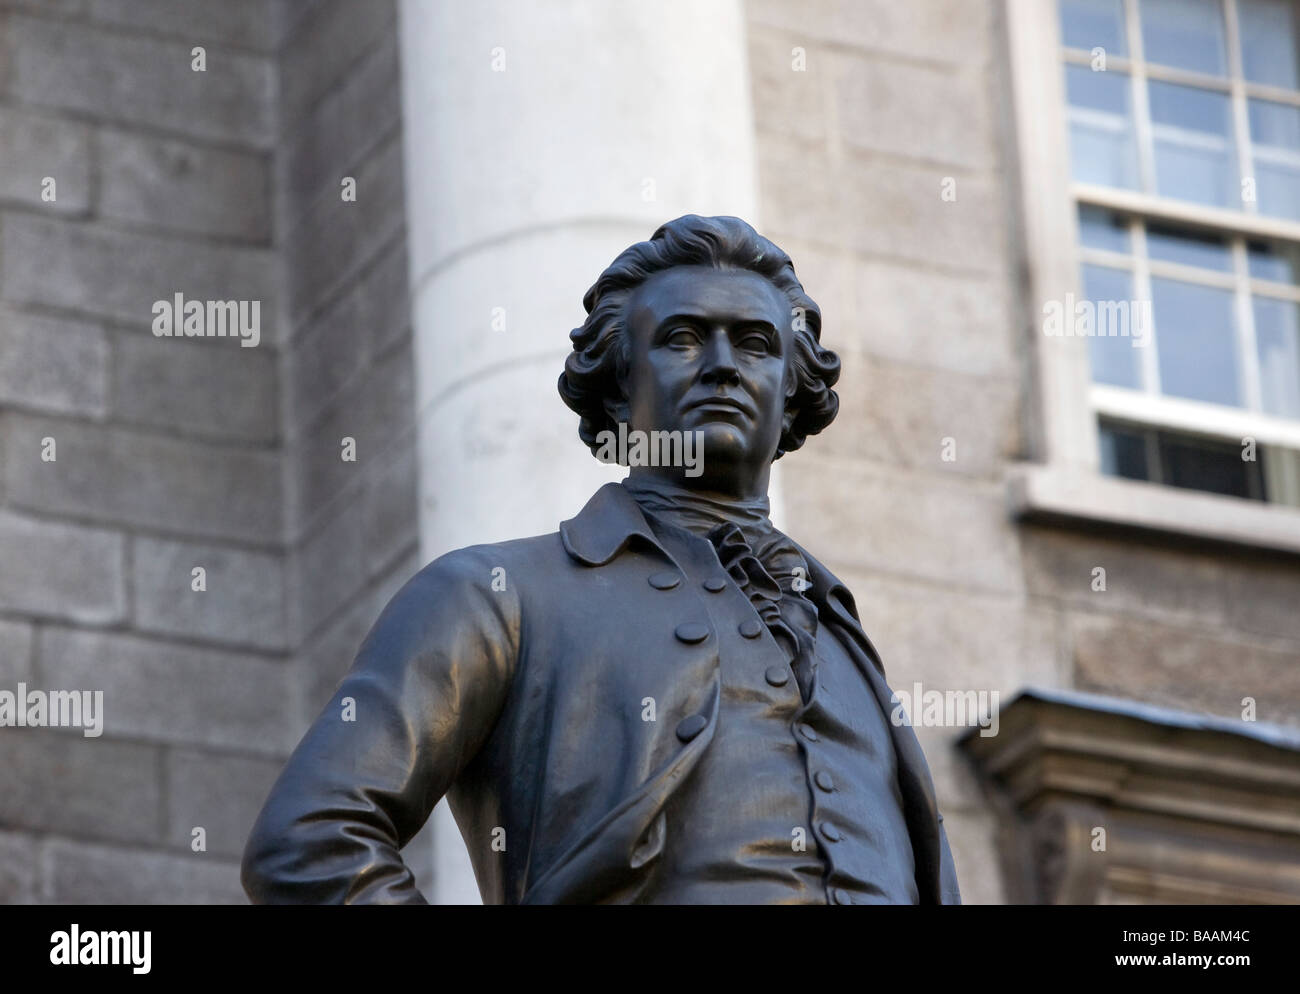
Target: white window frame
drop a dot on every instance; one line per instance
(1066, 481)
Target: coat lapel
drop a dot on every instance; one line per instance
(920, 807)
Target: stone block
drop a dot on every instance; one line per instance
(1144, 579)
(19, 881)
(860, 515)
(883, 208)
(34, 146)
(202, 386)
(342, 129)
(924, 419)
(184, 187)
(955, 31)
(221, 794)
(907, 313)
(15, 653)
(57, 570)
(53, 364)
(241, 23)
(243, 603)
(336, 238)
(175, 693)
(119, 274)
(1196, 670)
(324, 45)
(1262, 597)
(57, 780)
(133, 478)
(142, 80)
(392, 506)
(80, 873)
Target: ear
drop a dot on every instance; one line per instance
(791, 388)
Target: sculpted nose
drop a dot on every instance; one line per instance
(720, 359)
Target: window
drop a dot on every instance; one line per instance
(1183, 124)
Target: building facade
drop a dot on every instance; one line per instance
(1100, 531)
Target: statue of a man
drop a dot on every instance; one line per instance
(665, 701)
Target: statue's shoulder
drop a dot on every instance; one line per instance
(479, 564)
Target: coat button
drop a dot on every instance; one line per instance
(715, 585)
(751, 629)
(777, 676)
(807, 732)
(692, 632)
(831, 833)
(824, 780)
(664, 581)
(690, 727)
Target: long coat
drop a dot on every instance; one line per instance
(514, 678)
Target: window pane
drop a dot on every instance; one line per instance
(1102, 149)
(1188, 248)
(1103, 229)
(1196, 337)
(1276, 261)
(1092, 23)
(1268, 41)
(1275, 134)
(1114, 359)
(1194, 146)
(1202, 464)
(1277, 336)
(1123, 452)
(1184, 33)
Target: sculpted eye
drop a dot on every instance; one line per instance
(683, 335)
(755, 343)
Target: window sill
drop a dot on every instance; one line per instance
(1050, 493)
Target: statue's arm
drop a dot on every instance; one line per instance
(423, 695)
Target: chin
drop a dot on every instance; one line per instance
(723, 442)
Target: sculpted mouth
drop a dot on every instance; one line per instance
(722, 404)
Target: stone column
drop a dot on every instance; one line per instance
(541, 140)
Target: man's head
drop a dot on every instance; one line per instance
(704, 327)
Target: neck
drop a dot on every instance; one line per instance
(694, 509)
(734, 487)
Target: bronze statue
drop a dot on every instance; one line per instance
(665, 701)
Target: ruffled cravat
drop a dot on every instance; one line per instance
(760, 560)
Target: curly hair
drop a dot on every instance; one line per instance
(596, 367)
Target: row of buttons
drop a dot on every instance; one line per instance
(668, 580)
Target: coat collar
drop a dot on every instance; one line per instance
(610, 519)
(603, 528)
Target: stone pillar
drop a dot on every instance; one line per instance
(541, 140)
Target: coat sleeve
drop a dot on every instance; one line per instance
(949, 892)
(421, 698)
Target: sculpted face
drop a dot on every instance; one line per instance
(710, 351)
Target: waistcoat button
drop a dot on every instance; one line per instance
(751, 629)
(715, 584)
(831, 832)
(690, 727)
(807, 732)
(824, 780)
(692, 632)
(664, 581)
(777, 676)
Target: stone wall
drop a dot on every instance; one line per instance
(923, 297)
(175, 453)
